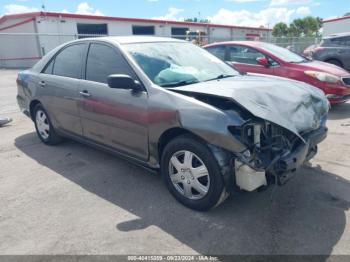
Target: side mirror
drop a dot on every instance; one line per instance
(263, 61)
(123, 82)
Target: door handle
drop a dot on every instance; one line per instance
(42, 83)
(85, 93)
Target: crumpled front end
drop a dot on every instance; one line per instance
(273, 153)
(282, 121)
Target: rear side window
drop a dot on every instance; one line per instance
(103, 61)
(218, 51)
(49, 68)
(68, 61)
(343, 41)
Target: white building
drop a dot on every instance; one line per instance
(336, 26)
(25, 38)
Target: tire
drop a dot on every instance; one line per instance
(199, 189)
(44, 128)
(335, 62)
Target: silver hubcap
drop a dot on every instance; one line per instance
(189, 175)
(42, 124)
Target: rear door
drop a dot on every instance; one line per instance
(244, 58)
(59, 83)
(116, 118)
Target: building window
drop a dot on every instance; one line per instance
(179, 32)
(88, 30)
(142, 30)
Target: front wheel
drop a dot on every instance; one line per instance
(192, 173)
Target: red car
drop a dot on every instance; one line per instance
(265, 58)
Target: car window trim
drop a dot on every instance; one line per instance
(47, 65)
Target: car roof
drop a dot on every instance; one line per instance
(132, 39)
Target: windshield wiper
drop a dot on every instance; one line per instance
(180, 83)
(219, 77)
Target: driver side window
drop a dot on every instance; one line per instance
(103, 61)
(244, 55)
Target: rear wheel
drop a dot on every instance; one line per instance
(192, 173)
(44, 128)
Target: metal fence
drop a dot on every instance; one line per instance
(21, 50)
(296, 44)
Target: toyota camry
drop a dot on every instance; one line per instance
(171, 106)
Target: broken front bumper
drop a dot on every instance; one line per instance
(274, 161)
(287, 164)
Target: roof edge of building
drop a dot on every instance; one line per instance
(125, 19)
(336, 19)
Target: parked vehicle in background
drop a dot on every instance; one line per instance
(207, 128)
(334, 49)
(265, 58)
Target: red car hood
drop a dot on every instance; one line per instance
(324, 67)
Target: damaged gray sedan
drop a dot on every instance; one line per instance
(169, 105)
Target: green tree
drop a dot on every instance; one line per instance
(280, 30)
(312, 25)
(347, 14)
(293, 30)
(307, 26)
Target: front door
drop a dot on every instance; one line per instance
(244, 59)
(116, 118)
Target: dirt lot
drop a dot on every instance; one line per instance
(72, 199)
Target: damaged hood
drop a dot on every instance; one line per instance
(294, 105)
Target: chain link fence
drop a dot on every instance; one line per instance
(22, 50)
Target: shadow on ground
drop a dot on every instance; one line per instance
(306, 216)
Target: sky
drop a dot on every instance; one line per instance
(235, 12)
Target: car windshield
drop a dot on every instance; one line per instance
(283, 53)
(171, 64)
